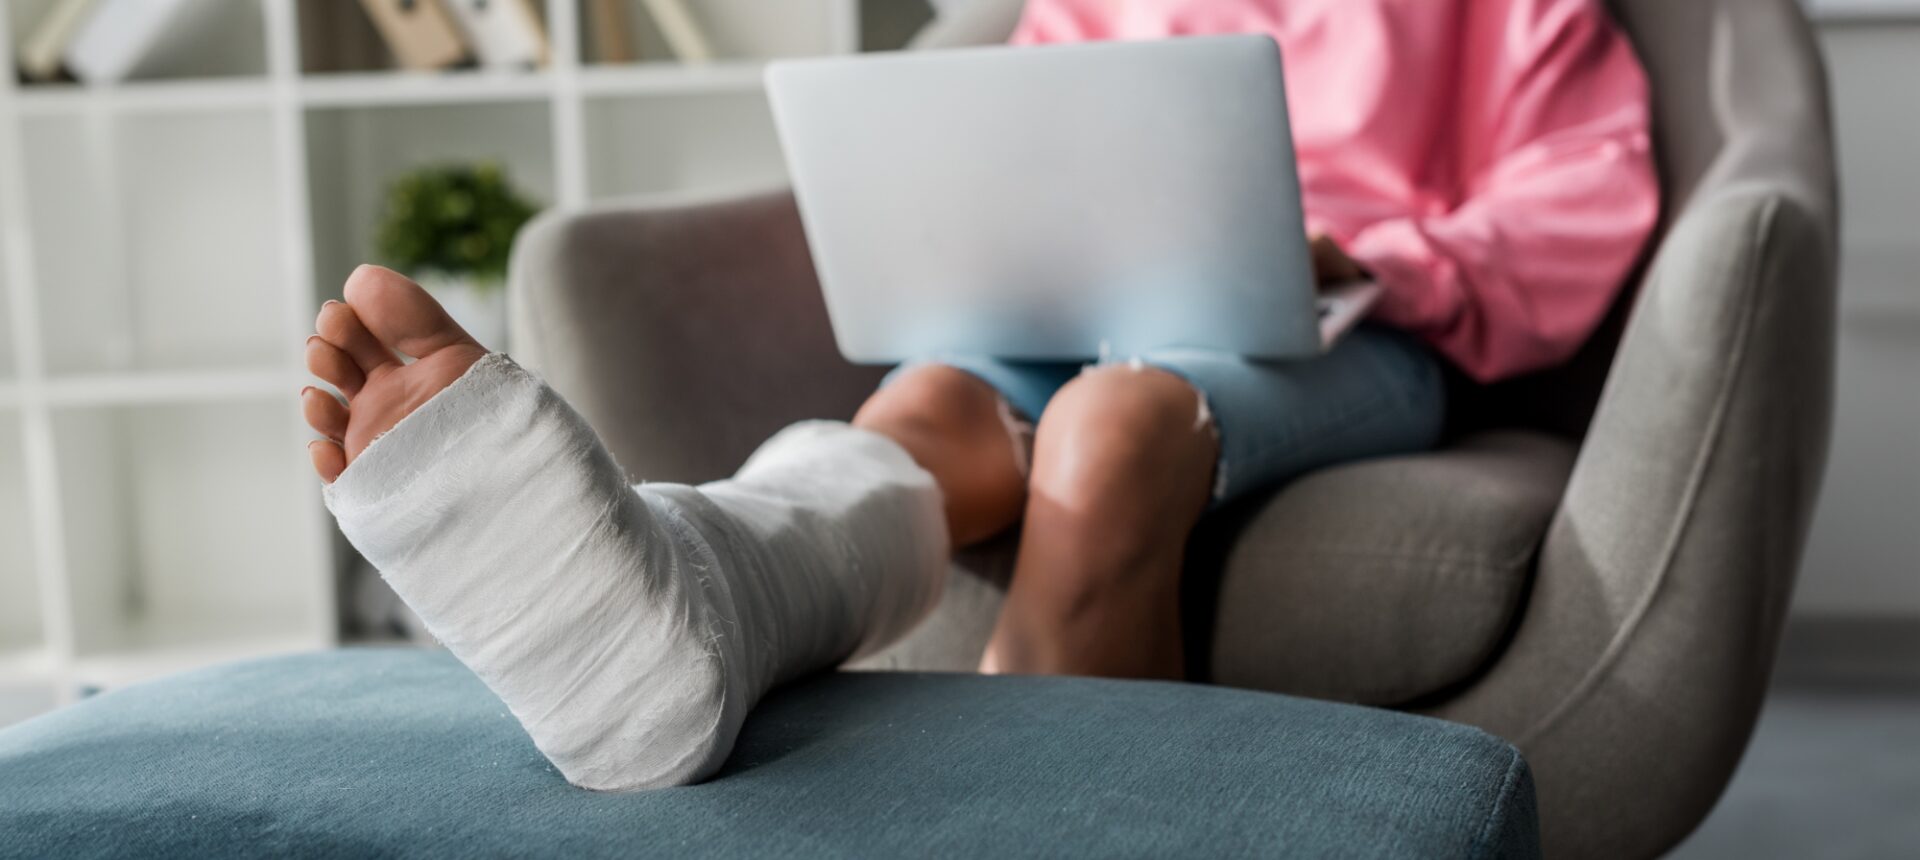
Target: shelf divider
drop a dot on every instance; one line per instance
(36, 423)
(569, 125)
(384, 88)
(142, 387)
(181, 96)
(296, 272)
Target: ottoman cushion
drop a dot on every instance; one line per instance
(367, 752)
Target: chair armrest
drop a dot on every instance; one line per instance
(1641, 659)
(1646, 643)
(686, 332)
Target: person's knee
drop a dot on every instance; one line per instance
(1124, 454)
(954, 425)
(931, 400)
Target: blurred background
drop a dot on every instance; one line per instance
(183, 182)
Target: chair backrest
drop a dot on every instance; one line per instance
(1739, 100)
(1740, 97)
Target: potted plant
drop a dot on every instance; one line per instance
(451, 227)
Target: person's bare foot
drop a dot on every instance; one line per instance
(357, 350)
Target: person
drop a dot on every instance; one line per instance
(1485, 161)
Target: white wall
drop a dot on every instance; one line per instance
(1864, 557)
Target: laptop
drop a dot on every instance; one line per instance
(1060, 202)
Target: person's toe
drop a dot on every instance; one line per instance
(401, 314)
(339, 325)
(334, 366)
(325, 413)
(329, 459)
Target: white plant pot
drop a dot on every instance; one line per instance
(482, 311)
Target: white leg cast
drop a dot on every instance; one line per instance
(630, 629)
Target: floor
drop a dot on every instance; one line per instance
(1833, 772)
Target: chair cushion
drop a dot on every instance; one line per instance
(1388, 580)
(379, 752)
(1377, 582)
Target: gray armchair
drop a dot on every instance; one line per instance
(1595, 566)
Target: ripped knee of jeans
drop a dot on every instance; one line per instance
(1203, 410)
(1203, 418)
(1020, 435)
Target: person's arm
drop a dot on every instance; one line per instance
(1560, 194)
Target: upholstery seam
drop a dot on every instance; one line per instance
(1514, 560)
(1689, 505)
(1495, 812)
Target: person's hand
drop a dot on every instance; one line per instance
(1331, 265)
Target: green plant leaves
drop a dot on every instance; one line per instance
(452, 219)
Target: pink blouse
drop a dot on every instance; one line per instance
(1487, 160)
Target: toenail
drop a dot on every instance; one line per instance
(304, 390)
(331, 302)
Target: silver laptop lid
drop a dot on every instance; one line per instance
(1049, 202)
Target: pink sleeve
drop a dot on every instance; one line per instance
(1048, 21)
(1559, 193)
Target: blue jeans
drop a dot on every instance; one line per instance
(1378, 392)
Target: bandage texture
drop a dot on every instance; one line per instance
(631, 628)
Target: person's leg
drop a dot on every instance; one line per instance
(956, 427)
(1120, 477)
(967, 420)
(1122, 462)
(629, 629)
(1378, 392)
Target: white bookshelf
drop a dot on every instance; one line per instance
(164, 245)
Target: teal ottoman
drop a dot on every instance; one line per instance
(402, 752)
